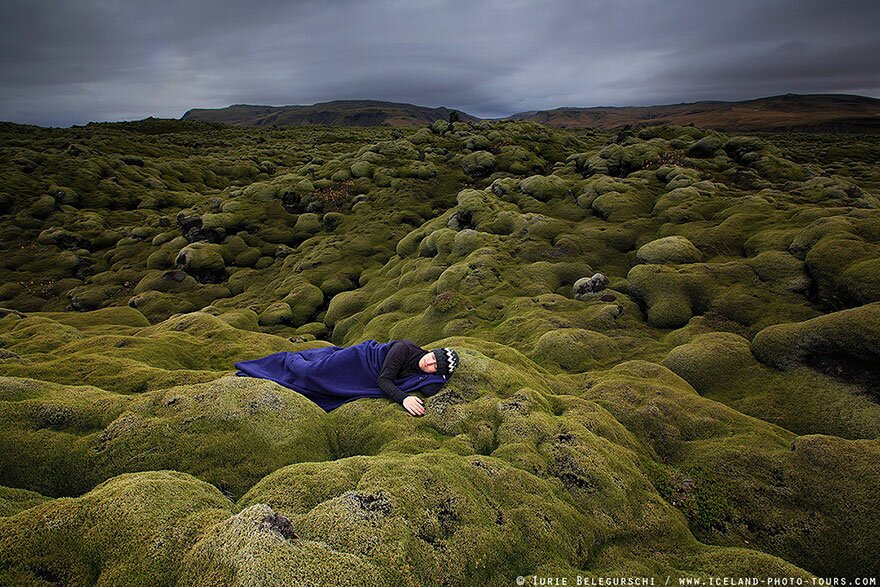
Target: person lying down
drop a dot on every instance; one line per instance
(334, 375)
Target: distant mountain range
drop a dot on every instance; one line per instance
(822, 112)
(335, 113)
(802, 112)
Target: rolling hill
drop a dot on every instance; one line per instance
(335, 113)
(795, 112)
(817, 112)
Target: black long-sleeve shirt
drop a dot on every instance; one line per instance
(402, 360)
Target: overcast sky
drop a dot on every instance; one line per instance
(66, 62)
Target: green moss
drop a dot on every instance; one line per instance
(622, 160)
(485, 212)
(445, 301)
(96, 538)
(307, 224)
(769, 464)
(92, 297)
(575, 349)
(449, 530)
(848, 335)
(79, 438)
(13, 500)
(201, 258)
(467, 241)
(838, 264)
(705, 147)
(343, 305)
(242, 319)
(518, 159)
(665, 295)
(42, 207)
(361, 169)
(331, 220)
(157, 306)
(276, 313)
(782, 271)
(545, 188)
(240, 280)
(561, 446)
(669, 250)
(304, 299)
(107, 318)
(776, 168)
(710, 360)
(166, 281)
(478, 163)
(738, 147)
(616, 206)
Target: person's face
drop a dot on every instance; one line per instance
(428, 363)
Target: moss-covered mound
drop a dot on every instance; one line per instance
(668, 343)
(669, 249)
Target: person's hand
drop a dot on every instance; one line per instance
(414, 405)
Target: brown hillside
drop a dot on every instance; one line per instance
(788, 112)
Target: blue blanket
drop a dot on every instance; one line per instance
(331, 376)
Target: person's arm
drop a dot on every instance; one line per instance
(390, 368)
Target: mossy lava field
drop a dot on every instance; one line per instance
(669, 344)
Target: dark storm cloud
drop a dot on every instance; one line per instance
(71, 62)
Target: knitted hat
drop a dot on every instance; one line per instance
(447, 361)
